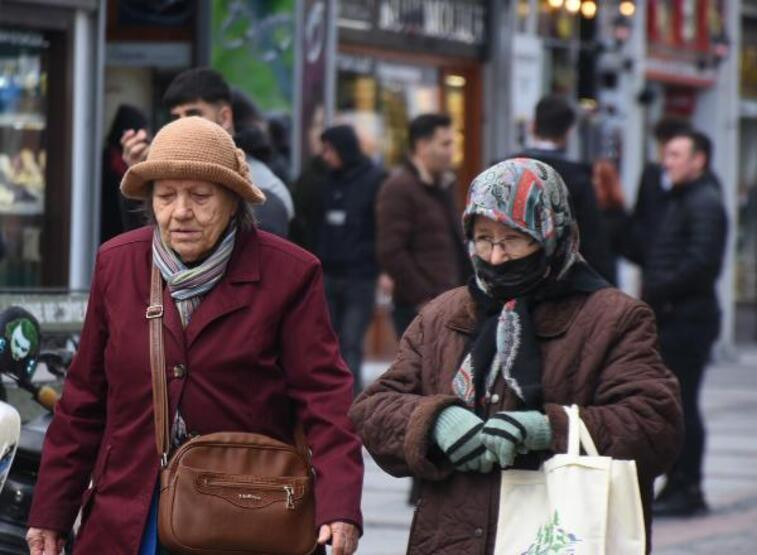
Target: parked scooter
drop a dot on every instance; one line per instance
(20, 355)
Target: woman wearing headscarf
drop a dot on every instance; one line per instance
(248, 348)
(484, 371)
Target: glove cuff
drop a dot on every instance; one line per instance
(539, 432)
(452, 423)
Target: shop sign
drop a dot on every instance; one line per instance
(442, 19)
(459, 22)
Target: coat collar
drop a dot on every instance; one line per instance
(244, 265)
(225, 297)
(550, 318)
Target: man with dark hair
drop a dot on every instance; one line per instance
(679, 278)
(424, 127)
(553, 119)
(194, 88)
(633, 233)
(419, 237)
(346, 240)
(681, 256)
(204, 92)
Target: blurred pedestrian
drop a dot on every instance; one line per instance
(117, 213)
(677, 234)
(246, 116)
(250, 135)
(420, 245)
(308, 197)
(347, 240)
(679, 276)
(204, 92)
(279, 132)
(554, 118)
(632, 234)
(484, 371)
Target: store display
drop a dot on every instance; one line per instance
(23, 154)
(380, 98)
(22, 122)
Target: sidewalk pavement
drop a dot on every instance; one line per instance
(729, 403)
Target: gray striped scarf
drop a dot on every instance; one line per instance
(189, 285)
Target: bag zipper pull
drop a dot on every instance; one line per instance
(290, 496)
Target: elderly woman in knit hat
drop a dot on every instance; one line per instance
(248, 347)
(484, 371)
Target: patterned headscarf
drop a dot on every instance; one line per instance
(528, 196)
(531, 197)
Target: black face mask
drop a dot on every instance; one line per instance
(514, 278)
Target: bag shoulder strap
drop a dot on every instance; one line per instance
(154, 314)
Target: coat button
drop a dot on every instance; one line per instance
(494, 399)
(179, 371)
(478, 532)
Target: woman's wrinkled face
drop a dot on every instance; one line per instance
(192, 215)
(496, 242)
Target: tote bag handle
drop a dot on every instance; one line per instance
(578, 434)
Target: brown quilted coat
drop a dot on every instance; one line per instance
(598, 351)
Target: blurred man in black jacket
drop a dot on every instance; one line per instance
(346, 239)
(677, 235)
(681, 268)
(632, 234)
(553, 119)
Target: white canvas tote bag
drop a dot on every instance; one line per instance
(575, 504)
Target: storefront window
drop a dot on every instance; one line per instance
(748, 71)
(380, 98)
(23, 155)
(454, 96)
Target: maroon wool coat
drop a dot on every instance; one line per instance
(258, 349)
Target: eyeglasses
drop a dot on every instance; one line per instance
(515, 245)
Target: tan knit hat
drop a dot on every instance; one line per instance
(193, 148)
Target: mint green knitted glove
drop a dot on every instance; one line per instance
(510, 432)
(458, 433)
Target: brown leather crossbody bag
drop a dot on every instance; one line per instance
(228, 492)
